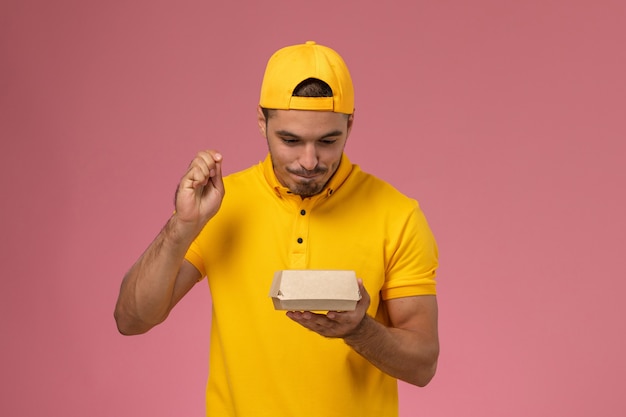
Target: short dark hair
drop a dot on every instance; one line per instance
(311, 87)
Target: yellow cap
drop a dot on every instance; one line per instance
(291, 65)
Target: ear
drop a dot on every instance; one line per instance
(350, 123)
(262, 121)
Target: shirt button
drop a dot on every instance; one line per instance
(303, 212)
(300, 240)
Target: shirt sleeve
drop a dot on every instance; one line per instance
(413, 259)
(194, 255)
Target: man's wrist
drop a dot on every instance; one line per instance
(180, 232)
(359, 332)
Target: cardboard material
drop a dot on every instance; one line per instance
(315, 290)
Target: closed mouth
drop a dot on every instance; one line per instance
(308, 175)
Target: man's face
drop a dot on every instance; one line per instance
(305, 146)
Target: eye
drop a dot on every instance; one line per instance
(328, 141)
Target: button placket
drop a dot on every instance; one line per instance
(300, 235)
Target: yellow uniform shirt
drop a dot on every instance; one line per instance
(261, 362)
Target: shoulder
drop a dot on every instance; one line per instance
(378, 191)
(245, 182)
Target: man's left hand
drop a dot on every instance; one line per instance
(336, 324)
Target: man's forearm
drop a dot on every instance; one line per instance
(403, 354)
(147, 290)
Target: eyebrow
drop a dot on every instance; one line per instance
(293, 135)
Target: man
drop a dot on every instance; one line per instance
(305, 207)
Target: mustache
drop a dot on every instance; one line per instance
(306, 172)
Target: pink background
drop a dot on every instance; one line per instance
(506, 119)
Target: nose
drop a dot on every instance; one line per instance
(308, 158)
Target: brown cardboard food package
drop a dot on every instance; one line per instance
(315, 290)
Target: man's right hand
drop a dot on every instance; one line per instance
(200, 191)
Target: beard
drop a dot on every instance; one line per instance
(308, 187)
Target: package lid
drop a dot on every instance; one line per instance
(315, 290)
